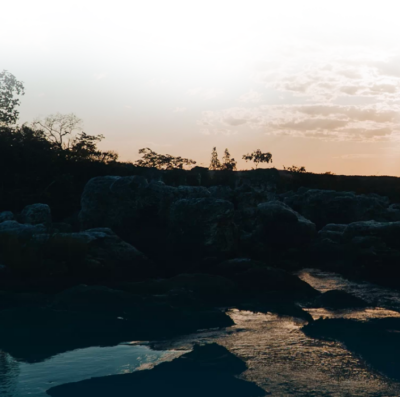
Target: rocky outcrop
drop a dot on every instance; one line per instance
(135, 209)
(36, 214)
(203, 226)
(274, 225)
(18, 230)
(339, 300)
(367, 249)
(95, 253)
(6, 216)
(329, 206)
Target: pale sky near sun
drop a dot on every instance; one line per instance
(316, 83)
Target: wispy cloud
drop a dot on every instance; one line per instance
(179, 109)
(205, 93)
(322, 121)
(251, 97)
(99, 76)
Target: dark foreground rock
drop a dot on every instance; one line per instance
(29, 250)
(87, 316)
(206, 371)
(367, 250)
(201, 227)
(256, 279)
(339, 300)
(377, 341)
(330, 206)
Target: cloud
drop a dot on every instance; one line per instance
(205, 93)
(251, 97)
(327, 76)
(319, 121)
(179, 109)
(99, 76)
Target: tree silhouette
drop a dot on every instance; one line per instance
(258, 157)
(228, 163)
(161, 161)
(294, 168)
(9, 86)
(84, 147)
(57, 126)
(215, 163)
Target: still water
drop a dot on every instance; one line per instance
(281, 359)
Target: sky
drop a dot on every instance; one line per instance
(316, 83)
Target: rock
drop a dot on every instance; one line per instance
(279, 226)
(332, 232)
(95, 253)
(329, 206)
(193, 192)
(6, 216)
(376, 341)
(33, 334)
(18, 230)
(207, 288)
(96, 299)
(231, 268)
(338, 300)
(388, 232)
(202, 227)
(135, 209)
(265, 280)
(36, 214)
(61, 227)
(207, 370)
(105, 254)
(27, 299)
(96, 202)
(222, 192)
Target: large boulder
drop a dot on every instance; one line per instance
(18, 230)
(366, 249)
(134, 208)
(95, 253)
(6, 216)
(330, 206)
(339, 300)
(279, 226)
(388, 232)
(35, 214)
(201, 227)
(101, 253)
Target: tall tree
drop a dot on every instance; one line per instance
(58, 126)
(215, 163)
(9, 87)
(228, 163)
(258, 157)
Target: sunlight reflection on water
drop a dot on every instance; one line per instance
(286, 362)
(19, 379)
(280, 357)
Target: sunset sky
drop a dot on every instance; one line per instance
(316, 83)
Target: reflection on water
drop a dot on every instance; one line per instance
(21, 379)
(281, 358)
(285, 362)
(374, 294)
(9, 372)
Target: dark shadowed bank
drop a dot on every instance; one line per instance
(207, 370)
